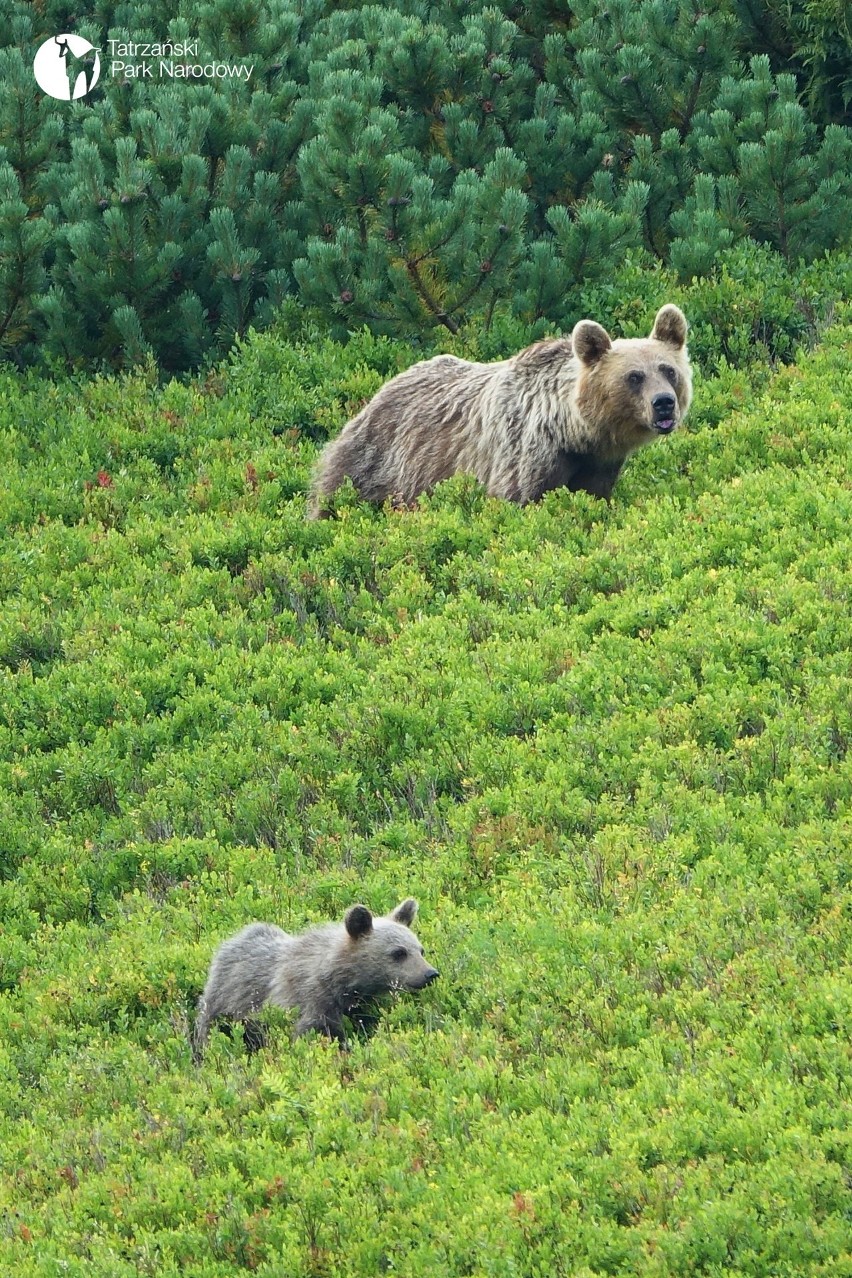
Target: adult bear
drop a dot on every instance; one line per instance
(566, 412)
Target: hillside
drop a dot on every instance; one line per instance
(606, 747)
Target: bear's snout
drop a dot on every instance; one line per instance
(431, 974)
(664, 407)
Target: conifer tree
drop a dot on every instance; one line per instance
(22, 245)
(655, 63)
(813, 38)
(402, 165)
(793, 189)
(30, 131)
(704, 226)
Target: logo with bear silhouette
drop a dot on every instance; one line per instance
(67, 67)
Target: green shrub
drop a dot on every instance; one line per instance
(606, 746)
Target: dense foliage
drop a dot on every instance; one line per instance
(405, 166)
(608, 747)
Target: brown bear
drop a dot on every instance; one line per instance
(565, 412)
(328, 972)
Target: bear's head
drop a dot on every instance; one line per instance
(383, 953)
(632, 390)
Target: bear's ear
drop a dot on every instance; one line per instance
(670, 326)
(590, 342)
(358, 920)
(405, 912)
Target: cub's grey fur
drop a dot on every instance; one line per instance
(328, 972)
(562, 413)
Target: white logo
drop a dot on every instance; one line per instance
(67, 67)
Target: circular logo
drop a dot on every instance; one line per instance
(67, 67)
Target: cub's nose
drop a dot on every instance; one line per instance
(663, 406)
(431, 975)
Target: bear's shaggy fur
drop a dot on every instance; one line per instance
(328, 972)
(566, 412)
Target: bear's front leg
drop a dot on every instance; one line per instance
(578, 472)
(330, 1026)
(254, 1036)
(596, 478)
(365, 1019)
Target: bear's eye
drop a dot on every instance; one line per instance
(399, 955)
(669, 372)
(635, 379)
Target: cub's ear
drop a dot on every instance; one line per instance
(405, 912)
(670, 326)
(358, 920)
(590, 342)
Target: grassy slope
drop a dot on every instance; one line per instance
(606, 747)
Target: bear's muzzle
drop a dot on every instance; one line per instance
(664, 407)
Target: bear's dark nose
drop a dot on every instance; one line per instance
(431, 975)
(663, 406)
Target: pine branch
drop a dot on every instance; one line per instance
(426, 297)
(692, 102)
(477, 285)
(16, 299)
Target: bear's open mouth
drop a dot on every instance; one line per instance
(666, 426)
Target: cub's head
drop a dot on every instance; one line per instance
(634, 389)
(384, 953)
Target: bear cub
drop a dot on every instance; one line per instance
(328, 972)
(565, 412)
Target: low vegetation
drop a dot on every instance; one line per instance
(606, 747)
